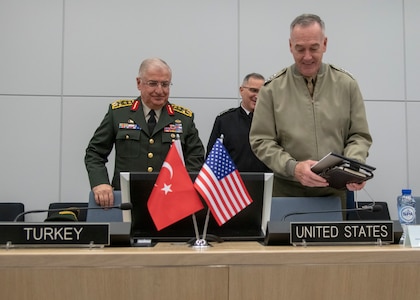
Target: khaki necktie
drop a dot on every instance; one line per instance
(310, 85)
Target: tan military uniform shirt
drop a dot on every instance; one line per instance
(289, 125)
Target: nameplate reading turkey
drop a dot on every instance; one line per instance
(346, 232)
(54, 234)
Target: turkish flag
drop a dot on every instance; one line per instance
(173, 196)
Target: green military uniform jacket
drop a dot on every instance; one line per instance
(136, 149)
(290, 126)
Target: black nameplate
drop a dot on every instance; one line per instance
(54, 233)
(346, 232)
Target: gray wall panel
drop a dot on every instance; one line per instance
(412, 39)
(81, 117)
(106, 41)
(31, 43)
(30, 128)
(388, 152)
(413, 142)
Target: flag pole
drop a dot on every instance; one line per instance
(197, 234)
(203, 242)
(181, 154)
(206, 223)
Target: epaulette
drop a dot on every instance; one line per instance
(226, 111)
(182, 110)
(121, 103)
(342, 70)
(275, 75)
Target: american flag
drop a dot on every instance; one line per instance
(221, 185)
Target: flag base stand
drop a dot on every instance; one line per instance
(201, 244)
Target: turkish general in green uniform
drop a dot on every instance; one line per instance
(137, 149)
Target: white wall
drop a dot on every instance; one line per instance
(63, 61)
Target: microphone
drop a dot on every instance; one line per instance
(122, 206)
(369, 208)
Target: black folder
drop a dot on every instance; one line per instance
(340, 170)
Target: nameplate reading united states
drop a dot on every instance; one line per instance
(347, 232)
(54, 233)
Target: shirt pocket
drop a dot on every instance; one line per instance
(127, 143)
(169, 137)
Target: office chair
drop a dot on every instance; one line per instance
(104, 215)
(66, 205)
(350, 199)
(9, 211)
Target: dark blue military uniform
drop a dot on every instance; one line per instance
(136, 149)
(235, 124)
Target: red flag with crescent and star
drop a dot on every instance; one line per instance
(173, 196)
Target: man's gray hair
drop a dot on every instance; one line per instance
(252, 75)
(154, 61)
(306, 20)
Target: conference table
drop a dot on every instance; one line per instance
(229, 270)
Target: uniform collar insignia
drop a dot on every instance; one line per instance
(170, 109)
(135, 106)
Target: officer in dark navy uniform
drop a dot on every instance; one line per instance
(142, 131)
(235, 123)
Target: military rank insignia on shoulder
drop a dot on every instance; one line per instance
(342, 70)
(182, 110)
(226, 111)
(275, 75)
(121, 103)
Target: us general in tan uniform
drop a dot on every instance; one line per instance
(290, 126)
(137, 149)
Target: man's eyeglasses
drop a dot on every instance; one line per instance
(252, 90)
(154, 84)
